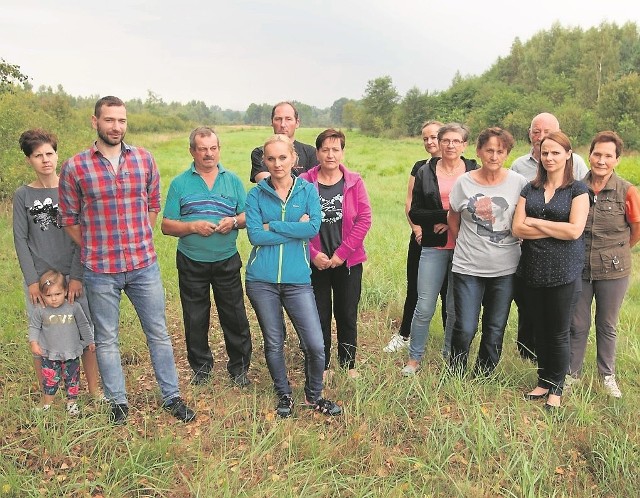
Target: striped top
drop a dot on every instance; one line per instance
(190, 199)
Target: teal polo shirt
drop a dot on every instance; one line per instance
(190, 199)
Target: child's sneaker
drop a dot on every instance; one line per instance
(285, 406)
(72, 408)
(325, 406)
(611, 386)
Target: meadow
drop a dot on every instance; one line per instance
(431, 435)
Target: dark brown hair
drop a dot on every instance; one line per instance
(31, 139)
(503, 136)
(109, 101)
(564, 142)
(608, 136)
(330, 133)
(284, 102)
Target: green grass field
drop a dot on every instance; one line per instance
(426, 436)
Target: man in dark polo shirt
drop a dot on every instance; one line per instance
(285, 121)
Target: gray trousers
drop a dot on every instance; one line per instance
(609, 295)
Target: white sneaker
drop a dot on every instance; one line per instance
(409, 370)
(397, 343)
(611, 386)
(570, 381)
(72, 409)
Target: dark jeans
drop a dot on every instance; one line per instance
(410, 301)
(268, 300)
(494, 294)
(526, 341)
(346, 285)
(551, 323)
(195, 278)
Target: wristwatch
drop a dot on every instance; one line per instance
(235, 222)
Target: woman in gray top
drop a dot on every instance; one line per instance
(482, 203)
(41, 244)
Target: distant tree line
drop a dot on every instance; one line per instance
(590, 79)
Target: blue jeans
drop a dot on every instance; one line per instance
(435, 267)
(144, 289)
(299, 302)
(494, 294)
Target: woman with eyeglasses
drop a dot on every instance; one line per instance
(550, 218)
(486, 254)
(429, 207)
(400, 340)
(612, 229)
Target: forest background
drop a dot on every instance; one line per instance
(588, 78)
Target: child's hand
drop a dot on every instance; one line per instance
(92, 348)
(35, 348)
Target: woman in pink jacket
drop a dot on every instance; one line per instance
(337, 252)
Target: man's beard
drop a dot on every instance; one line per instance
(110, 141)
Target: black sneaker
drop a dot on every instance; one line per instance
(179, 410)
(326, 407)
(119, 413)
(241, 380)
(285, 406)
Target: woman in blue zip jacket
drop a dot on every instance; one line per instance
(283, 213)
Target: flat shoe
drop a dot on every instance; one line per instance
(533, 397)
(551, 408)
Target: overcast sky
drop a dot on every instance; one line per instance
(237, 52)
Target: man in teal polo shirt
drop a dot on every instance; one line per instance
(205, 209)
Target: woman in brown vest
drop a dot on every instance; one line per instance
(612, 229)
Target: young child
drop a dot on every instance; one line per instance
(58, 333)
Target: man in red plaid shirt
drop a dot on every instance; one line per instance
(109, 202)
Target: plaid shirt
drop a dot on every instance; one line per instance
(112, 210)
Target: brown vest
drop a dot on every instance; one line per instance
(607, 233)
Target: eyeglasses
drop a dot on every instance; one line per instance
(455, 142)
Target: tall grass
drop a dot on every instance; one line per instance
(431, 435)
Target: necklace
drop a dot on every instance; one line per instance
(447, 172)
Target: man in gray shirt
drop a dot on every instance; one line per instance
(541, 126)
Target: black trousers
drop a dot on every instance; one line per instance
(410, 301)
(550, 323)
(195, 278)
(346, 286)
(526, 340)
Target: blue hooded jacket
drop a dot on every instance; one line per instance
(280, 255)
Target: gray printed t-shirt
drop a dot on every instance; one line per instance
(62, 333)
(485, 246)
